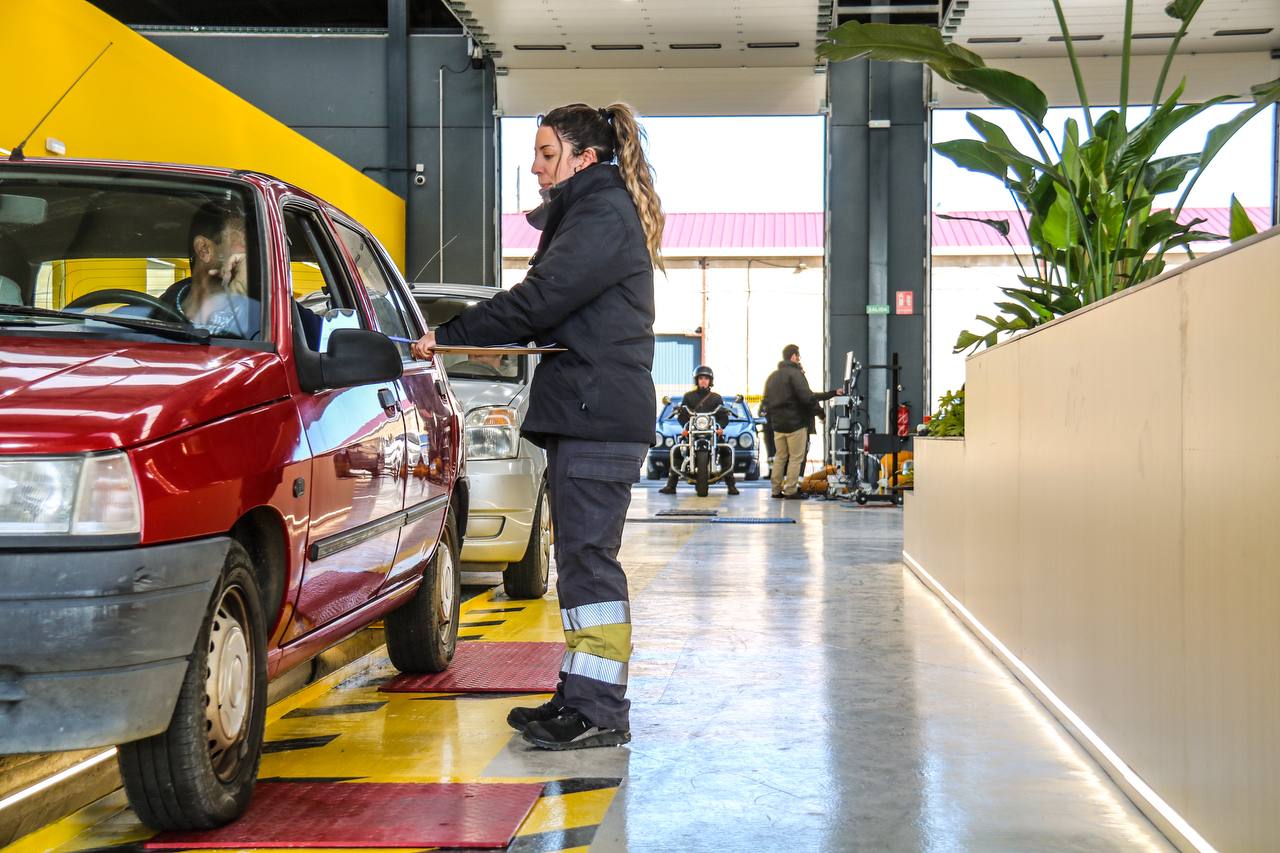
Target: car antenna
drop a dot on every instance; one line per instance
(17, 155)
(433, 257)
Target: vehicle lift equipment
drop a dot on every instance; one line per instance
(856, 450)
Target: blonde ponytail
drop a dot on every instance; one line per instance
(637, 174)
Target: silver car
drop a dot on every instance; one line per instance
(509, 522)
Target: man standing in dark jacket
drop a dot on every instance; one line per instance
(702, 399)
(792, 406)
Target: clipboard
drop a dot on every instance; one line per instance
(508, 349)
(502, 350)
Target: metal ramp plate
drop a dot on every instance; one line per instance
(369, 814)
(691, 513)
(490, 668)
(768, 520)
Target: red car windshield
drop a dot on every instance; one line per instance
(120, 254)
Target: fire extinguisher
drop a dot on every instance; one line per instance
(904, 420)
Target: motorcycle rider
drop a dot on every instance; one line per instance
(702, 399)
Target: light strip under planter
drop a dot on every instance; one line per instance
(56, 779)
(1163, 815)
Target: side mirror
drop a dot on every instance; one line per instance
(359, 357)
(738, 399)
(666, 400)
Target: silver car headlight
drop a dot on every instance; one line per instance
(657, 439)
(745, 440)
(77, 495)
(493, 432)
(670, 441)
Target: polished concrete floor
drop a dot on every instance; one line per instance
(794, 686)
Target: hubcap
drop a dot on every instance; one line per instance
(228, 682)
(544, 538)
(444, 577)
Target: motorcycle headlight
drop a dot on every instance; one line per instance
(670, 441)
(493, 432)
(702, 422)
(745, 440)
(77, 495)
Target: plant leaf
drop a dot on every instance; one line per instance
(994, 135)
(1264, 95)
(975, 156)
(897, 43)
(1005, 89)
(1001, 226)
(1241, 225)
(1183, 10)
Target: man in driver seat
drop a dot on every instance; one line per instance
(702, 399)
(215, 296)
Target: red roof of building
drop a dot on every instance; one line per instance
(804, 231)
(801, 231)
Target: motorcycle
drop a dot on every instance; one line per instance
(700, 457)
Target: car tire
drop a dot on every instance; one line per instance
(422, 633)
(199, 773)
(528, 577)
(753, 472)
(652, 473)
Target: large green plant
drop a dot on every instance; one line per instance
(1087, 196)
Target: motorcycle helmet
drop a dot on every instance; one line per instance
(703, 370)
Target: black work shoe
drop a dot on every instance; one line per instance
(571, 730)
(778, 495)
(733, 490)
(667, 490)
(796, 496)
(520, 718)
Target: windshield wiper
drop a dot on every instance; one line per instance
(156, 327)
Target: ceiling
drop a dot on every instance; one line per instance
(673, 57)
(1018, 28)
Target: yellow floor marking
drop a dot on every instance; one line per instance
(570, 811)
(412, 737)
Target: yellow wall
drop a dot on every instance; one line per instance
(141, 103)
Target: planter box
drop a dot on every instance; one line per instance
(1100, 521)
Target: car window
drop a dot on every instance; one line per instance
(443, 308)
(319, 289)
(118, 253)
(393, 318)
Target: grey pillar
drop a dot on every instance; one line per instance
(398, 99)
(877, 215)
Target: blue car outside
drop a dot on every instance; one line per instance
(741, 433)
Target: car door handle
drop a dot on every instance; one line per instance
(388, 401)
(440, 389)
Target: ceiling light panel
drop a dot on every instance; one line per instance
(587, 29)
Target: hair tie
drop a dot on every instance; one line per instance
(606, 114)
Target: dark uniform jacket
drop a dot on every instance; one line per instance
(698, 400)
(589, 289)
(791, 404)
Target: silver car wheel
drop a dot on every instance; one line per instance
(544, 538)
(228, 682)
(444, 577)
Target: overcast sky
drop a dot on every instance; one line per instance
(776, 163)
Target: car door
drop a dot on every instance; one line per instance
(424, 401)
(356, 436)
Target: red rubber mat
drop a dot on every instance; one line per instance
(369, 814)
(490, 668)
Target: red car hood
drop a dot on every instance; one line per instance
(69, 396)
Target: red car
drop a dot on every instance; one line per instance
(203, 481)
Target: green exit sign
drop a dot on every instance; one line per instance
(877, 309)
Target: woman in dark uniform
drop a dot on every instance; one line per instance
(589, 290)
